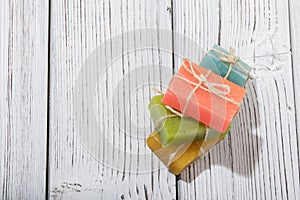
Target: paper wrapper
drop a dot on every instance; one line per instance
(177, 157)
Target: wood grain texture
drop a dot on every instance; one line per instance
(76, 171)
(295, 46)
(23, 99)
(259, 159)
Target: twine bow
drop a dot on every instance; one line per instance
(232, 59)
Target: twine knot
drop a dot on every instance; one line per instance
(232, 59)
(216, 88)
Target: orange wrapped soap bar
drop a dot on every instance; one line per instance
(204, 96)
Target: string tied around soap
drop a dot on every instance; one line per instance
(232, 59)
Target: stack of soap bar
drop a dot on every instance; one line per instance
(204, 105)
(177, 160)
(201, 93)
(239, 73)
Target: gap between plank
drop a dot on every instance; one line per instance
(177, 177)
(47, 168)
(293, 76)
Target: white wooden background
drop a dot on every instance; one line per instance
(42, 48)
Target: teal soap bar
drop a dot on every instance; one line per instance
(240, 70)
(174, 130)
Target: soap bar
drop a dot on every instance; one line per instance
(173, 129)
(214, 100)
(177, 160)
(239, 74)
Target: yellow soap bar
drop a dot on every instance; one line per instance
(175, 159)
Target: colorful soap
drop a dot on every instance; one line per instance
(203, 95)
(176, 158)
(173, 129)
(225, 64)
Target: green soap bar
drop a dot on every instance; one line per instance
(174, 130)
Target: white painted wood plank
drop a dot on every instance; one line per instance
(295, 45)
(255, 28)
(258, 160)
(79, 170)
(23, 99)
